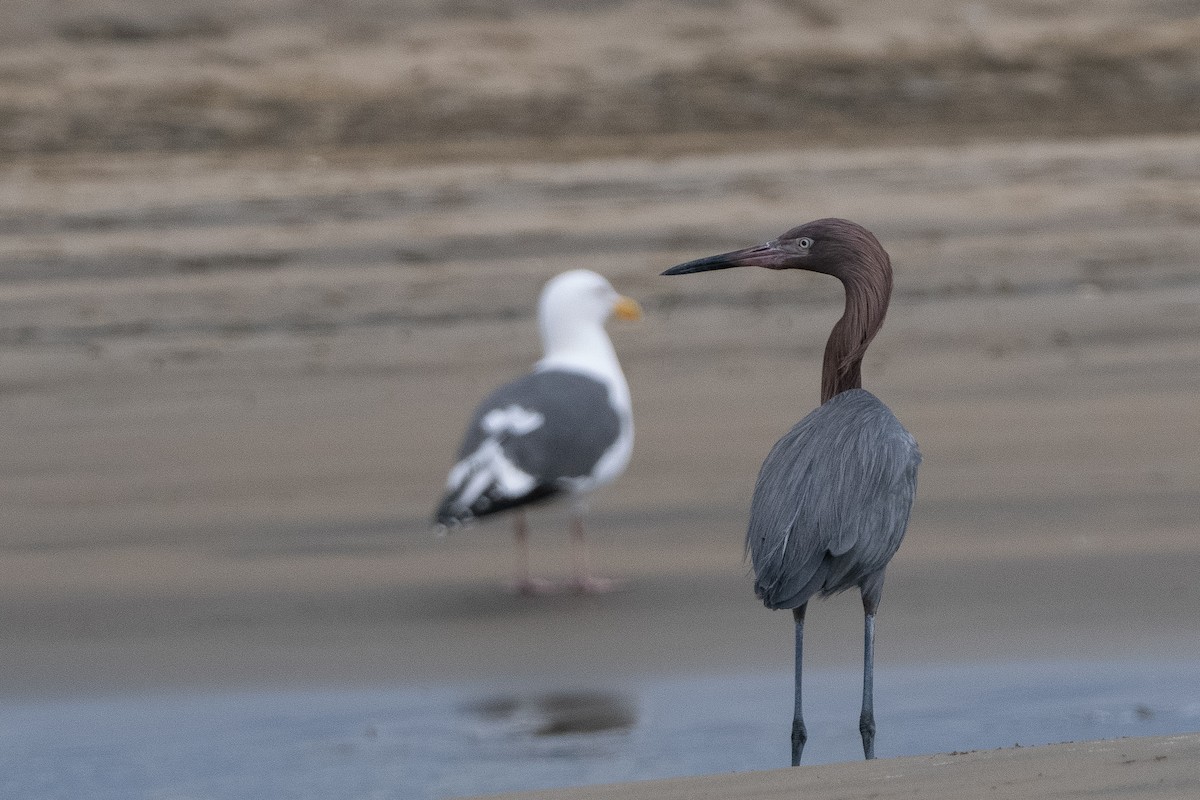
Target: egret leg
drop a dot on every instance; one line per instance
(799, 732)
(866, 720)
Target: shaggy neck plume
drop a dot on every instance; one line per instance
(867, 277)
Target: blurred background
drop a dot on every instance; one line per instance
(260, 259)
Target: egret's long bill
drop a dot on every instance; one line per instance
(768, 254)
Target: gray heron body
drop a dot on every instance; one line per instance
(833, 497)
(562, 430)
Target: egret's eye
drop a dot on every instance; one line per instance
(804, 242)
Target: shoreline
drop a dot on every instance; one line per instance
(616, 737)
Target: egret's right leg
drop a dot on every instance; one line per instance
(799, 733)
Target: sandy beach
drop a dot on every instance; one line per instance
(196, 460)
(1127, 768)
(240, 335)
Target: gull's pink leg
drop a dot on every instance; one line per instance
(523, 583)
(583, 580)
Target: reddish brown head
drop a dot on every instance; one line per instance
(837, 247)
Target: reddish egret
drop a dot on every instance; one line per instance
(832, 499)
(562, 430)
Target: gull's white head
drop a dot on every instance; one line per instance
(574, 307)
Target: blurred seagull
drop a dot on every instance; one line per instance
(563, 430)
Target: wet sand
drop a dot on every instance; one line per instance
(439, 739)
(225, 475)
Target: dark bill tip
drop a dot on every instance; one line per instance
(700, 265)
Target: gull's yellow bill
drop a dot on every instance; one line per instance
(627, 308)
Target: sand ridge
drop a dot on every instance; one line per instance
(1161, 767)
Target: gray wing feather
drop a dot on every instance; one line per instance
(579, 424)
(832, 501)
